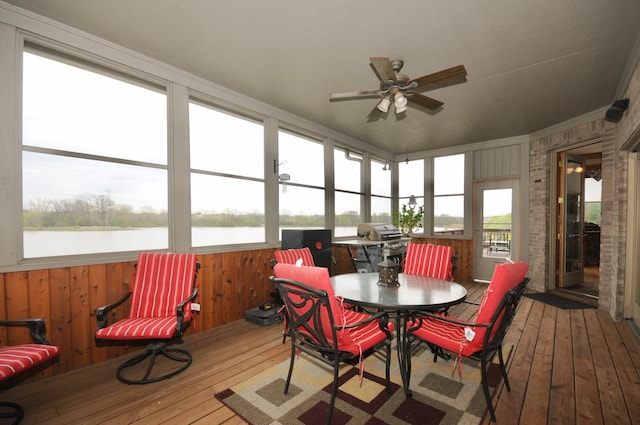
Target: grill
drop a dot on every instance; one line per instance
(378, 232)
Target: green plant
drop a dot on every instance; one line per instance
(409, 219)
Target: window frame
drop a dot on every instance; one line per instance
(278, 163)
(364, 181)
(87, 62)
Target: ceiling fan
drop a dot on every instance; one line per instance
(399, 89)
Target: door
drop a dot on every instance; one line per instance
(494, 235)
(632, 292)
(570, 220)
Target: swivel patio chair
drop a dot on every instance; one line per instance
(162, 292)
(18, 358)
(482, 338)
(319, 327)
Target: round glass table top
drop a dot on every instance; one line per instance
(413, 293)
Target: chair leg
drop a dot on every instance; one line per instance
(152, 351)
(334, 390)
(503, 370)
(388, 367)
(15, 411)
(293, 356)
(485, 389)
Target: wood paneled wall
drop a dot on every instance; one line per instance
(230, 284)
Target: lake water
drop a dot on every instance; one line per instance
(48, 243)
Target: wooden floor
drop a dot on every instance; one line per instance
(567, 367)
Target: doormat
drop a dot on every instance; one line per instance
(557, 301)
(439, 397)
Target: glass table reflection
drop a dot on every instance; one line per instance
(415, 293)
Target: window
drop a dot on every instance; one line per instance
(94, 167)
(593, 198)
(348, 195)
(411, 181)
(227, 177)
(301, 180)
(448, 194)
(380, 191)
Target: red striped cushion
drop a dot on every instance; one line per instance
(429, 260)
(161, 282)
(140, 328)
(363, 337)
(16, 358)
(290, 256)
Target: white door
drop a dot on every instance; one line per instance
(495, 226)
(632, 292)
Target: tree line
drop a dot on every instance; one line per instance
(95, 211)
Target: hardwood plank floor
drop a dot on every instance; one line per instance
(567, 367)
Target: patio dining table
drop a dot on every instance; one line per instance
(414, 293)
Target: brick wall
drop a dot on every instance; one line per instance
(613, 236)
(614, 199)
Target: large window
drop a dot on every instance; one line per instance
(380, 191)
(410, 217)
(448, 194)
(411, 181)
(301, 181)
(94, 167)
(348, 195)
(227, 177)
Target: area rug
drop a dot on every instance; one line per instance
(440, 396)
(558, 301)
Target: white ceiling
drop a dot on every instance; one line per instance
(530, 65)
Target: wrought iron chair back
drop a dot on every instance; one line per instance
(319, 326)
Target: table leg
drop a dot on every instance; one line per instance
(404, 351)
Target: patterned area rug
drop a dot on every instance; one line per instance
(440, 397)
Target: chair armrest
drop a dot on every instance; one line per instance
(180, 309)
(37, 327)
(447, 319)
(102, 312)
(382, 316)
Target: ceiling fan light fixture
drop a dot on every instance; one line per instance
(400, 103)
(383, 105)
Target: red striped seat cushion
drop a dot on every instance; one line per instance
(161, 282)
(290, 256)
(451, 336)
(429, 260)
(16, 358)
(354, 340)
(140, 328)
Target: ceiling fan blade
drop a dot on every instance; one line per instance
(453, 75)
(383, 68)
(375, 114)
(354, 94)
(424, 101)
